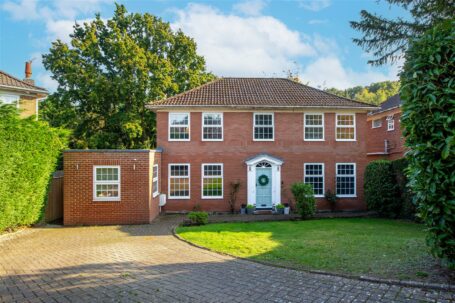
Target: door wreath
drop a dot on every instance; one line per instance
(263, 180)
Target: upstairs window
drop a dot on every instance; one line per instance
(345, 179)
(179, 181)
(106, 183)
(313, 127)
(155, 181)
(179, 127)
(314, 175)
(212, 127)
(212, 181)
(345, 127)
(390, 123)
(263, 127)
(376, 123)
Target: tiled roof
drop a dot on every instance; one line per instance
(390, 103)
(13, 82)
(256, 92)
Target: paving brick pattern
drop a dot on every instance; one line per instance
(145, 263)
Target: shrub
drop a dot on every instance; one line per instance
(198, 217)
(381, 191)
(250, 206)
(29, 152)
(279, 206)
(234, 189)
(428, 93)
(408, 209)
(304, 199)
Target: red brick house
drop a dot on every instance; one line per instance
(265, 133)
(385, 138)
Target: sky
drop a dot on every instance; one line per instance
(246, 38)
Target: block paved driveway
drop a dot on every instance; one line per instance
(145, 263)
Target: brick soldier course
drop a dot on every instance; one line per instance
(145, 263)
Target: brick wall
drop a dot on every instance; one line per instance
(376, 136)
(238, 145)
(136, 204)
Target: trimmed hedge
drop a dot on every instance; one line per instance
(386, 189)
(29, 152)
(381, 190)
(198, 217)
(304, 199)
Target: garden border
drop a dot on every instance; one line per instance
(406, 283)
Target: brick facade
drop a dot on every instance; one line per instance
(238, 145)
(376, 137)
(137, 204)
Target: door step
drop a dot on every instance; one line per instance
(263, 212)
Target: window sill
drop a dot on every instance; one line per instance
(212, 140)
(313, 140)
(106, 200)
(345, 140)
(347, 196)
(263, 140)
(179, 140)
(154, 195)
(212, 198)
(178, 198)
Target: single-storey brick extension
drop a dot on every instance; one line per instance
(265, 133)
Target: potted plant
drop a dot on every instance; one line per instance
(250, 208)
(286, 209)
(243, 209)
(332, 199)
(279, 208)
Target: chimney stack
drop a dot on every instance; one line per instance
(28, 73)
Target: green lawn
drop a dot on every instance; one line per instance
(379, 247)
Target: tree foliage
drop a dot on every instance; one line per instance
(374, 93)
(29, 152)
(428, 122)
(111, 70)
(387, 38)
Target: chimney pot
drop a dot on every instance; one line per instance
(28, 69)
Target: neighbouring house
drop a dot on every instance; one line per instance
(265, 133)
(22, 93)
(385, 138)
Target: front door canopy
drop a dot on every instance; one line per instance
(264, 157)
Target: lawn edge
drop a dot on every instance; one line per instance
(406, 283)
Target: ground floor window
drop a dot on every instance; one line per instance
(155, 181)
(345, 179)
(179, 181)
(314, 175)
(212, 181)
(106, 183)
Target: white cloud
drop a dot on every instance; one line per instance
(242, 46)
(24, 10)
(329, 72)
(314, 5)
(45, 80)
(250, 8)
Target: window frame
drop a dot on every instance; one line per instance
(212, 177)
(354, 195)
(169, 126)
(221, 126)
(16, 101)
(110, 182)
(178, 177)
(273, 126)
(323, 177)
(304, 127)
(372, 123)
(354, 126)
(157, 179)
(390, 123)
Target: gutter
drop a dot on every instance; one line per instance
(25, 89)
(157, 107)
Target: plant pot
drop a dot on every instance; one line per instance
(287, 210)
(243, 211)
(280, 211)
(250, 211)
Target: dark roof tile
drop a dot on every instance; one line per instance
(256, 92)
